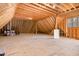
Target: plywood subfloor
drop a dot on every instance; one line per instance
(38, 45)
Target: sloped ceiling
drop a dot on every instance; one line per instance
(37, 11)
(6, 13)
(45, 13)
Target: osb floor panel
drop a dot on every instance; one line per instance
(38, 45)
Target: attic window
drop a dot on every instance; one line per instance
(73, 22)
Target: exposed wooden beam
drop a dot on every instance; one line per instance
(72, 13)
(36, 7)
(69, 14)
(43, 9)
(37, 14)
(49, 7)
(68, 7)
(56, 8)
(59, 6)
(42, 6)
(31, 10)
(25, 7)
(72, 5)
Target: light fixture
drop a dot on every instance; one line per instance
(29, 18)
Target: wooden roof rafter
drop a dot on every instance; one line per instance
(36, 7)
(43, 7)
(31, 9)
(50, 7)
(67, 6)
(59, 6)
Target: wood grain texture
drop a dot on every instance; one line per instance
(38, 45)
(7, 15)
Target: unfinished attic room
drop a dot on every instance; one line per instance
(39, 29)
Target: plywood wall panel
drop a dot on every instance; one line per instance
(23, 26)
(77, 33)
(7, 16)
(71, 32)
(47, 25)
